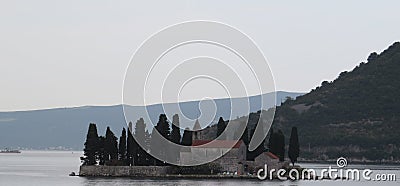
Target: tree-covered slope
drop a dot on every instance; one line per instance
(357, 115)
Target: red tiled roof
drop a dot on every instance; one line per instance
(271, 155)
(216, 143)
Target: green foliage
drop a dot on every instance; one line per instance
(159, 137)
(254, 119)
(245, 136)
(140, 128)
(360, 108)
(91, 146)
(140, 136)
(175, 133)
(272, 142)
(102, 152)
(276, 144)
(280, 144)
(294, 147)
(163, 126)
(187, 137)
(174, 151)
(131, 150)
(111, 145)
(221, 127)
(122, 146)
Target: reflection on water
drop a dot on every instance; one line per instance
(52, 168)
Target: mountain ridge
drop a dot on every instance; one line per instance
(67, 127)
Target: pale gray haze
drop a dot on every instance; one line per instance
(73, 52)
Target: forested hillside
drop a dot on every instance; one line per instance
(357, 115)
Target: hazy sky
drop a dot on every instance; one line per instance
(73, 53)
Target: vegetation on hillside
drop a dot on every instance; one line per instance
(356, 115)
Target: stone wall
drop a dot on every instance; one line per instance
(123, 171)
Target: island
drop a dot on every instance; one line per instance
(105, 156)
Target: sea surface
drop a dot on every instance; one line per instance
(52, 168)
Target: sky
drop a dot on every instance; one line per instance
(75, 53)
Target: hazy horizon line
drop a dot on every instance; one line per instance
(118, 104)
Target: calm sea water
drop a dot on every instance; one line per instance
(52, 168)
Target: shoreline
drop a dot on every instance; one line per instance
(205, 177)
(350, 162)
(163, 172)
(177, 176)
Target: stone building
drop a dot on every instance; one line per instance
(228, 154)
(231, 155)
(267, 158)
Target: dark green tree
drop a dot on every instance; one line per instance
(173, 152)
(294, 147)
(156, 146)
(122, 147)
(147, 139)
(131, 150)
(245, 136)
(280, 145)
(176, 133)
(111, 145)
(163, 126)
(220, 126)
(164, 132)
(130, 129)
(187, 137)
(259, 149)
(140, 128)
(91, 146)
(272, 141)
(372, 56)
(140, 138)
(102, 152)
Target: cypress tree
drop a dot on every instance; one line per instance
(294, 147)
(173, 152)
(122, 147)
(130, 127)
(245, 136)
(140, 142)
(271, 141)
(176, 133)
(163, 126)
(140, 128)
(131, 150)
(281, 146)
(165, 131)
(102, 153)
(147, 141)
(259, 149)
(220, 126)
(91, 146)
(111, 145)
(155, 146)
(187, 137)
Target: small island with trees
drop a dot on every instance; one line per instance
(111, 156)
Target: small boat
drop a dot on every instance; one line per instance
(10, 151)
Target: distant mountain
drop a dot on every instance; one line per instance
(355, 116)
(67, 127)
